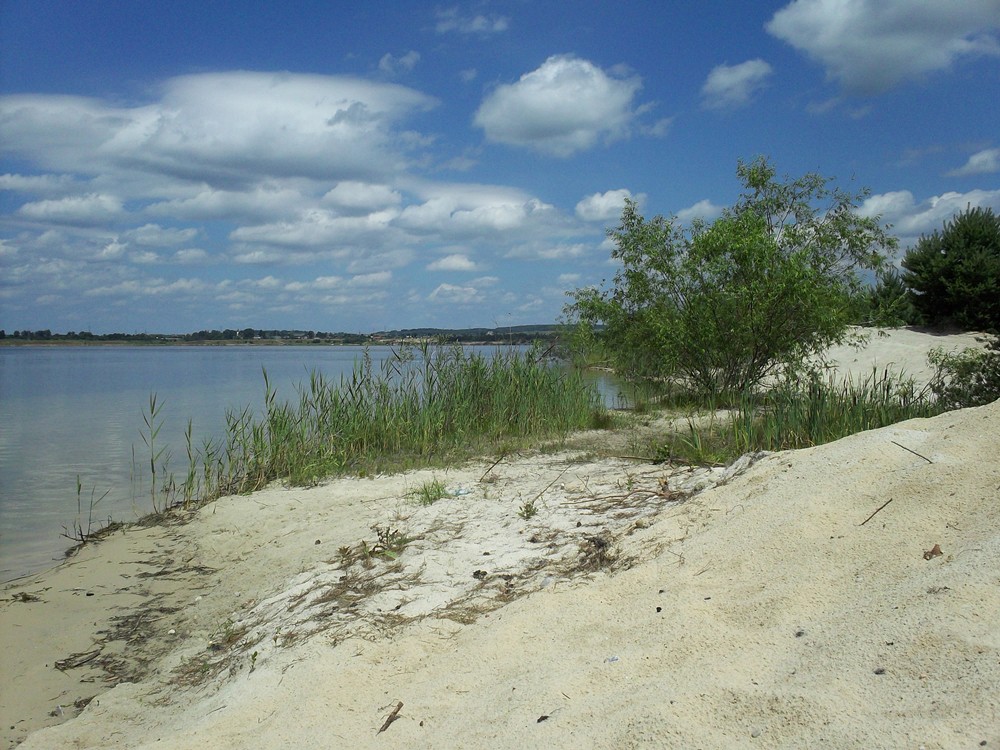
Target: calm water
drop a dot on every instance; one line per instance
(77, 411)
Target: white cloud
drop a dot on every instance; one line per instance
(568, 279)
(144, 257)
(380, 260)
(46, 184)
(458, 211)
(112, 251)
(659, 128)
(391, 65)
(982, 162)
(86, 210)
(910, 219)
(535, 251)
(223, 129)
(454, 262)
(732, 86)
(703, 209)
(451, 19)
(605, 206)
(564, 106)
(377, 278)
(190, 256)
(871, 46)
(452, 294)
(353, 194)
(317, 227)
(153, 235)
(468, 75)
(255, 203)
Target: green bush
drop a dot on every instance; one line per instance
(720, 307)
(887, 304)
(967, 378)
(954, 274)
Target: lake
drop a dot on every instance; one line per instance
(69, 412)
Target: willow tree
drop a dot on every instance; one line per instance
(721, 306)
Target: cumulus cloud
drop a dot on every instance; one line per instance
(452, 20)
(564, 106)
(316, 227)
(454, 262)
(605, 206)
(703, 209)
(154, 235)
(92, 209)
(732, 86)
(391, 65)
(982, 162)
(536, 251)
(871, 46)
(453, 294)
(255, 203)
(910, 219)
(223, 129)
(351, 194)
(313, 177)
(46, 184)
(190, 255)
(450, 211)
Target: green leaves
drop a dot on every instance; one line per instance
(720, 307)
(954, 274)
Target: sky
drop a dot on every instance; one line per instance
(335, 166)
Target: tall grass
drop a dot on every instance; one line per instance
(420, 406)
(800, 415)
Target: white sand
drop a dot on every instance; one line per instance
(762, 611)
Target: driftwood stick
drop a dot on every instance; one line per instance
(492, 466)
(877, 510)
(911, 451)
(391, 718)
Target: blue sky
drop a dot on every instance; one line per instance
(167, 167)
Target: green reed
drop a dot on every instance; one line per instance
(421, 406)
(799, 415)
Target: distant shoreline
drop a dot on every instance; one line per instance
(255, 342)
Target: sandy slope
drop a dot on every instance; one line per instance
(632, 610)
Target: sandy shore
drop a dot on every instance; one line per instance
(841, 596)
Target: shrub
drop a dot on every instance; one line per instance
(887, 304)
(722, 306)
(967, 378)
(954, 274)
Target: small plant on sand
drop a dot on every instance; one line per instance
(78, 533)
(528, 510)
(430, 492)
(389, 544)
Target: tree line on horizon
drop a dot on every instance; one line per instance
(525, 334)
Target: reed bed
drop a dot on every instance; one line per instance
(800, 415)
(423, 405)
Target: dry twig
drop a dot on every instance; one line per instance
(391, 718)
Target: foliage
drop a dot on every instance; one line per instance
(420, 407)
(430, 492)
(954, 274)
(967, 378)
(800, 415)
(722, 306)
(887, 304)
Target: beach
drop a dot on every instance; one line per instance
(576, 596)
